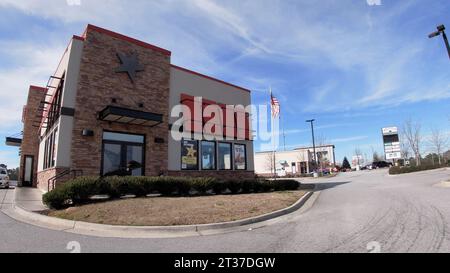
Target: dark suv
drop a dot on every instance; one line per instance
(381, 164)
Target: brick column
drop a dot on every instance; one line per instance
(30, 141)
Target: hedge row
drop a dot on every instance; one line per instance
(82, 189)
(412, 169)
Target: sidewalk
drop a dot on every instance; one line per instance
(6, 198)
(29, 199)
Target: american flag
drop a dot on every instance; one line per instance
(275, 105)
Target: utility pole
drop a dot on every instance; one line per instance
(441, 30)
(314, 142)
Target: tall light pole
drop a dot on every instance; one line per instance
(441, 30)
(314, 141)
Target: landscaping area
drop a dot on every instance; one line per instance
(154, 201)
(170, 211)
(168, 201)
(412, 169)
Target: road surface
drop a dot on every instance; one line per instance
(354, 212)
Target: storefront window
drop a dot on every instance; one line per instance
(225, 156)
(189, 155)
(111, 158)
(50, 150)
(208, 155)
(240, 157)
(123, 154)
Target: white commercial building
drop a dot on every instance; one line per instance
(298, 161)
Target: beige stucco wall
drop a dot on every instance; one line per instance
(183, 82)
(70, 65)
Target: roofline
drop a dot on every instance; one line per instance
(297, 149)
(125, 38)
(38, 88)
(76, 37)
(150, 46)
(209, 78)
(320, 146)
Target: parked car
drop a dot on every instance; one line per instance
(367, 167)
(4, 178)
(381, 164)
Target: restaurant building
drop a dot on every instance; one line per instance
(107, 111)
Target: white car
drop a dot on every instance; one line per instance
(4, 178)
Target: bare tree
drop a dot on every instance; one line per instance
(438, 140)
(412, 132)
(270, 163)
(404, 148)
(321, 141)
(358, 155)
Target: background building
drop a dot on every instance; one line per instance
(298, 161)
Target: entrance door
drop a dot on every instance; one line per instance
(123, 154)
(28, 171)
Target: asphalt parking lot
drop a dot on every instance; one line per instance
(355, 212)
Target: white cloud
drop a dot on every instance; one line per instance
(349, 139)
(372, 63)
(9, 158)
(32, 66)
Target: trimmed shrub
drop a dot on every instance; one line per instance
(219, 187)
(184, 186)
(80, 190)
(234, 186)
(56, 199)
(290, 185)
(117, 186)
(137, 186)
(267, 185)
(203, 185)
(248, 186)
(258, 186)
(167, 185)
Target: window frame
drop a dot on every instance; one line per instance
(123, 147)
(245, 155)
(50, 149)
(214, 168)
(198, 155)
(230, 144)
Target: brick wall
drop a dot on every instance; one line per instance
(99, 84)
(30, 141)
(44, 176)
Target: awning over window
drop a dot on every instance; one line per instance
(129, 116)
(12, 141)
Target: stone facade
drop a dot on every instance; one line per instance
(30, 142)
(100, 86)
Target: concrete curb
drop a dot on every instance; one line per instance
(100, 230)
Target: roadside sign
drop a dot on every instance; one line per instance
(391, 141)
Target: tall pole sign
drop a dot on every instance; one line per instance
(391, 141)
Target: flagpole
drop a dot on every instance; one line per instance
(273, 135)
(282, 127)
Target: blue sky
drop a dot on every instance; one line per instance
(352, 66)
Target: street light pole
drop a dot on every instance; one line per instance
(441, 30)
(314, 141)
